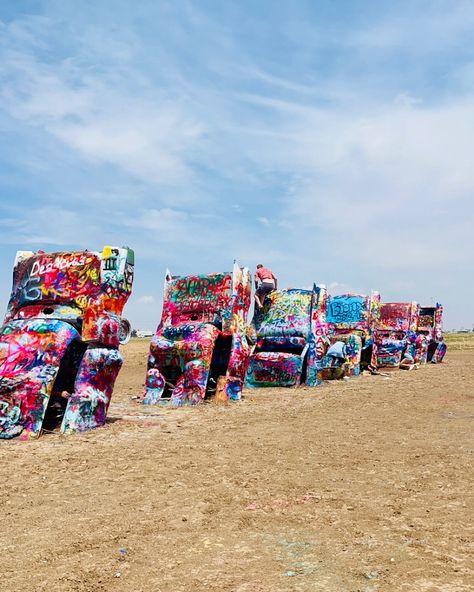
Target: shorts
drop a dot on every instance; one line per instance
(265, 288)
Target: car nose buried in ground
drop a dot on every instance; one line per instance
(430, 325)
(289, 339)
(350, 322)
(59, 344)
(200, 348)
(396, 335)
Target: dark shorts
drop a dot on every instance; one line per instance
(265, 288)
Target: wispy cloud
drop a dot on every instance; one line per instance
(147, 137)
(333, 145)
(45, 225)
(146, 299)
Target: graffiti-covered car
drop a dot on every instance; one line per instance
(59, 343)
(430, 325)
(200, 347)
(396, 336)
(286, 351)
(351, 320)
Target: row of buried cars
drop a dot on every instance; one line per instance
(59, 343)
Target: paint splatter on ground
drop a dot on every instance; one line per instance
(362, 485)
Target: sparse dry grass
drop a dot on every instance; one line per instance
(459, 341)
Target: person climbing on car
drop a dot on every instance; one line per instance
(265, 283)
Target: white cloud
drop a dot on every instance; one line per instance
(438, 27)
(399, 177)
(47, 225)
(163, 221)
(148, 136)
(146, 299)
(337, 288)
(350, 145)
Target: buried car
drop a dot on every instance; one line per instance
(430, 325)
(396, 338)
(288, 339)
(200, 347)
(59, 344)
(351, 320)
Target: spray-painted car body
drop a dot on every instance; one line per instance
(61, 335)
(287, 331)
(430, 326)
(396, 334)
(352, 320)
(200, 345)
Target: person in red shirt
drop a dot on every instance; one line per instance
(265, 282)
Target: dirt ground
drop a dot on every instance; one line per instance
(364, 485)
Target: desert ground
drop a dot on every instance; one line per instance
(363, 485)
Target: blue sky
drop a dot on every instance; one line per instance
(330, 140)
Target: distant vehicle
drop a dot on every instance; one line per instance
(200, 348)
(59, 344)
(140, 333)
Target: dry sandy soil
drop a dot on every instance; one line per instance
(363, 485)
